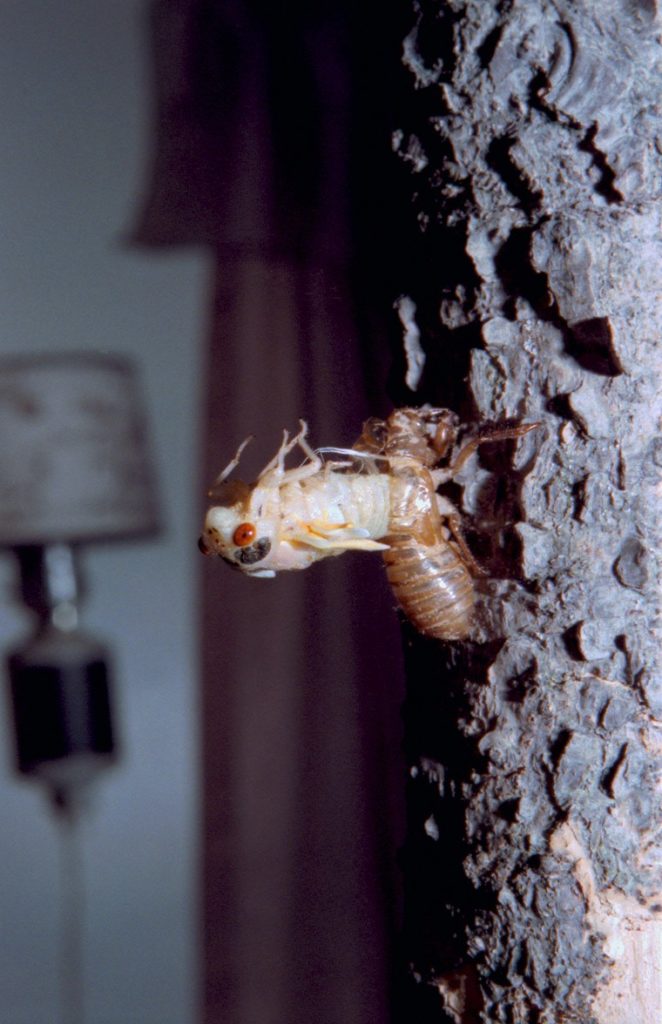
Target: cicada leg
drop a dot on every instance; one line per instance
(453, 521)
(276, 468)
(440, 476)
(374, 436)
(232, 464)
(445, 433)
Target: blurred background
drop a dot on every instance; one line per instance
(202, 186)
(74, 115)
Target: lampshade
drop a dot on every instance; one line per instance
(74, 465)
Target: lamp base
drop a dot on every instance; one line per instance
(60, 694)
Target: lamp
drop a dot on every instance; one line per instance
(74, 470)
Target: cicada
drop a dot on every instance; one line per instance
(379, 495)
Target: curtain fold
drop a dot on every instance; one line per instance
(302, 688)
(301, 675)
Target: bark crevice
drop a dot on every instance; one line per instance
(530, 749)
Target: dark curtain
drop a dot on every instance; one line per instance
(272, 150)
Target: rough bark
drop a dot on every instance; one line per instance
(530, 136)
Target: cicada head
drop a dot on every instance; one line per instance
(425, 434)
(241, 539)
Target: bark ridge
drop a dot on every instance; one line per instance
(532, 142)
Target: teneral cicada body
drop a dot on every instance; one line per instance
(290, 518)
(378, 496)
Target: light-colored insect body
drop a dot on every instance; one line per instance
(379, 496)
(291, 518)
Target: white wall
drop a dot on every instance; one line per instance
(74, 131)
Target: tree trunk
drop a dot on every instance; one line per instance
(529, 134)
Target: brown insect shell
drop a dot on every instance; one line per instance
(430, 581)
(413, 504)
(424, 435)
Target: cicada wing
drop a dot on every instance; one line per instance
(327, 536)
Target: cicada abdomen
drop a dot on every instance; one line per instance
(429, 577)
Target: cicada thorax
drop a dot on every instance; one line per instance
(429, 578)
(424, 434)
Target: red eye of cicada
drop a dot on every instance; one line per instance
(244, 534)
